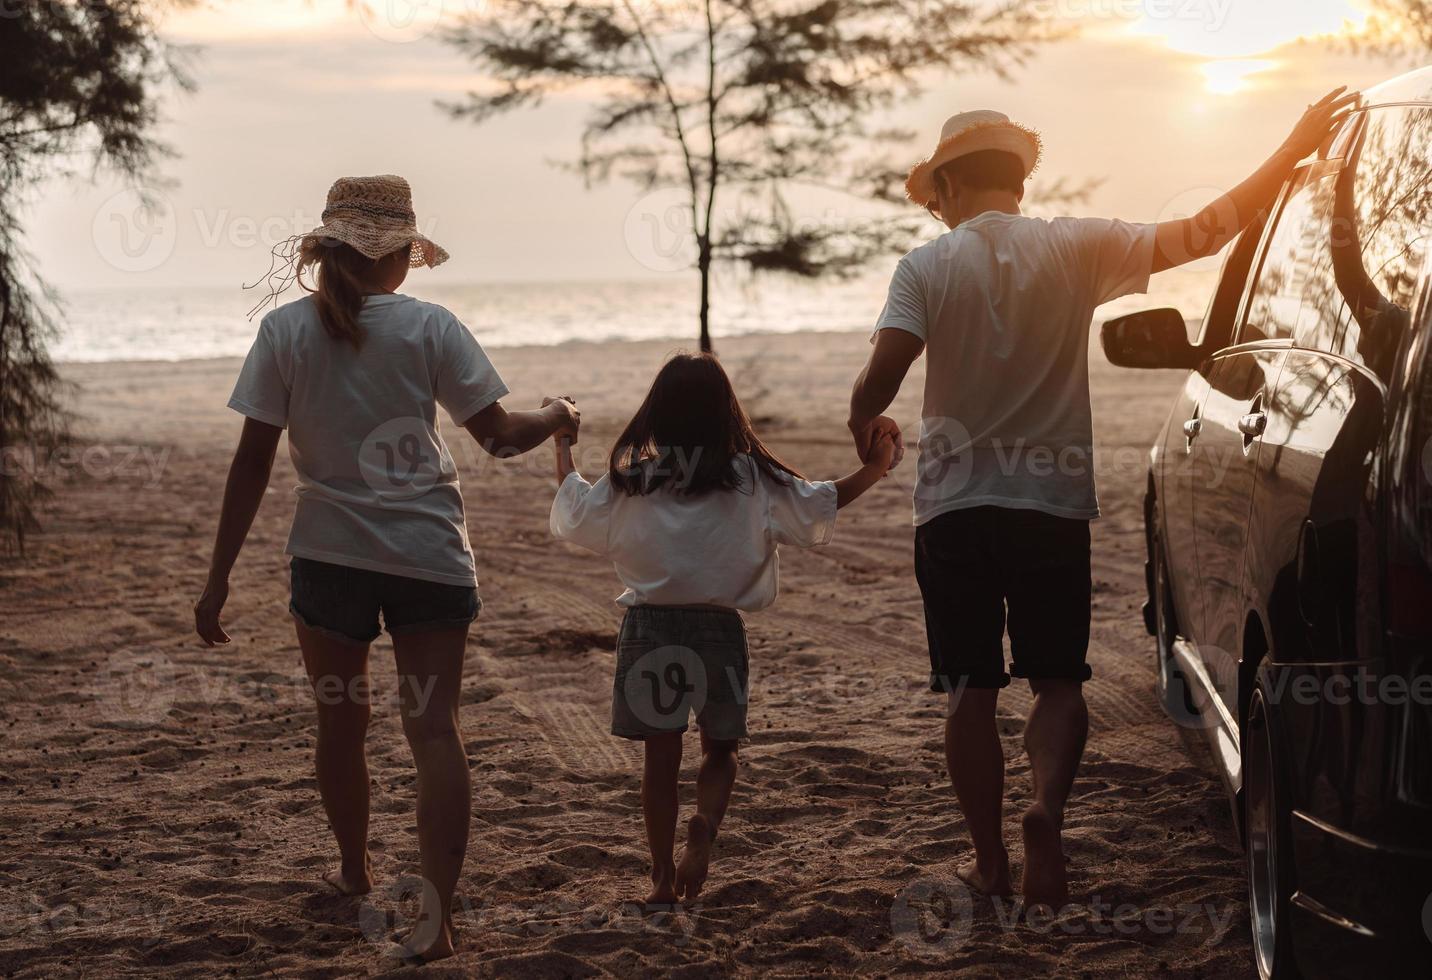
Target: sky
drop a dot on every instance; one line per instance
(1167, 101)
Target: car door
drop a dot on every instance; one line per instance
(1177, 458)
(1176, 503)
(1315, 550)
(1242, 380)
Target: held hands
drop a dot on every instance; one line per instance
(880, 441)
(884, 451)
(1318, 123)
(565, 418)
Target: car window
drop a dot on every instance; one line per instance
(1288, 261)
(1215, 330)
(1390, 212)
(1363, 272)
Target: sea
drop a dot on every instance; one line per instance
(187, 323)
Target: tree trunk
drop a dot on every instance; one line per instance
(703, 265)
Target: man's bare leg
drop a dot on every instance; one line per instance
(1054, 738)
(976, 763)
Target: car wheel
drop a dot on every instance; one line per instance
(1169, 683)
(1269, 839)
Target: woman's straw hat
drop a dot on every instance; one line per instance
(375, 215)
(372, 214)
(971, 132)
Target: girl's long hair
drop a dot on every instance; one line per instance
(688, 433)
(343, 273)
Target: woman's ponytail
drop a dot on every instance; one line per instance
(343, 272)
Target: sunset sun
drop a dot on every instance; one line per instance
(1237, 41)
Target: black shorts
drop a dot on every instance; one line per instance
(344, 603)
(981, 567)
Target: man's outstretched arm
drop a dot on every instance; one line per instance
(878, 384)
(1186, 239)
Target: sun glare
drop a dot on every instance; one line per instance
(1235, 37)
(1230, 76)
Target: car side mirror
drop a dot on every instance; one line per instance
(1150, 339)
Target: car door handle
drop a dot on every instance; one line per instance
(1253, 424)
(1192, 428)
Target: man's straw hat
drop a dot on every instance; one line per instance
(375, 215)
(971, 132)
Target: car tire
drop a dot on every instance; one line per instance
(1169, 684)
(1267, 822)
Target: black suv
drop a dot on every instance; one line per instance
(1289, 526)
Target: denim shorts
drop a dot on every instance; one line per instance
(676, 661)
(344, 602)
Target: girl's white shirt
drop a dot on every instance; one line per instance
(377, 487)
(717, 548)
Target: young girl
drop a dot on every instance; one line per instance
(691, 512)
(355, 372)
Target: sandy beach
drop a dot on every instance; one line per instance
(159, 815)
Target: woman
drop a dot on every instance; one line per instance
(355, 372)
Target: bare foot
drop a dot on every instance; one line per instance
(350, 881)
(416, 949)
(695, 859)
(1046, 880)
(987, 881)
(663, 887)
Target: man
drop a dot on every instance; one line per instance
(1005, 490)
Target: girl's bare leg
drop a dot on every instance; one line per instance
(338, 674)
(430, 685)
(714, 781)
(659, 800)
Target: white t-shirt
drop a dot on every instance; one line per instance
(377, 486)
(715, 549)
(1004, 303)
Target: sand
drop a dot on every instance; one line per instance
(159, 816)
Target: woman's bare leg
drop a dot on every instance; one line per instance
(430, 685)
(659, 801)
(338, 674)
